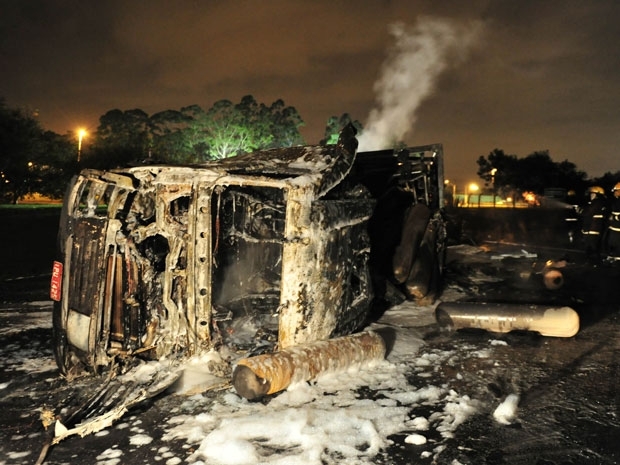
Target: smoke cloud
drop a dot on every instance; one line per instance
(409, 75)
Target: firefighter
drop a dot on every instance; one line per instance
(593, 222)
(613, 228)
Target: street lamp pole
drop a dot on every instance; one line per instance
(493, 172)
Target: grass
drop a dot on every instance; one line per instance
(30, 206)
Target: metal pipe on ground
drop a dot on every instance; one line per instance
(503, 318)
(255, 377)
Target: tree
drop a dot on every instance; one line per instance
(57, 163)
(171, 141)
(284, 123)
(191, 134)
(570, 177)
(534, 173)
(537, 171)
(500, 171)
(32, 160)
(122, 137)
(20, 150)
(335, 124)
(228, 129)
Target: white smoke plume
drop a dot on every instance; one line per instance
(409, 75)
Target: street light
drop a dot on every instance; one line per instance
(493, 172)
(81, 134)
(473, 187)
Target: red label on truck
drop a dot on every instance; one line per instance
(56, 284)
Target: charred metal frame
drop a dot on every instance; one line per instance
(256, 252)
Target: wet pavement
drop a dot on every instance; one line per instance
(568, 387)
(568, 407)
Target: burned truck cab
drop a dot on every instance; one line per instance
(253, 253)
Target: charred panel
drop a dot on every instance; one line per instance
(248, 232)
(87, 257)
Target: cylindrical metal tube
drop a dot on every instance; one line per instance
(503, 318)
(419, 282)
(553, 278)
(414, 225)
(266, 374)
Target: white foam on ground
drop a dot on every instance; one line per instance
(506, 412)
(329, 420)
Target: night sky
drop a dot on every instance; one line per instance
(516, 75)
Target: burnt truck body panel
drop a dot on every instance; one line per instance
(257, 252)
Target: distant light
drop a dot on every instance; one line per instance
(81, 133)
(531, 198)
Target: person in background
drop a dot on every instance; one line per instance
(593, 222)
(613, 228)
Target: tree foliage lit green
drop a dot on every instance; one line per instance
(193, 135)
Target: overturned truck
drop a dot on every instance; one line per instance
(256, 253)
